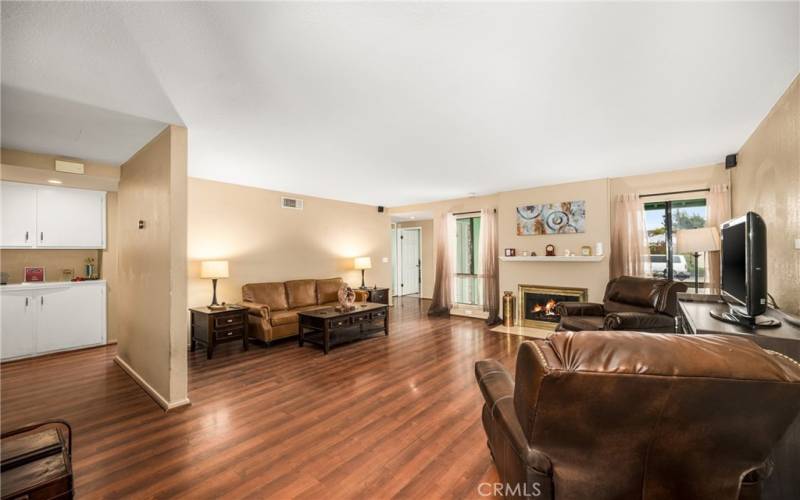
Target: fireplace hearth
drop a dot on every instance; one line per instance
(537, 304)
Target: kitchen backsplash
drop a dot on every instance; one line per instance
(13, 262)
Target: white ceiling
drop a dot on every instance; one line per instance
(389, 104)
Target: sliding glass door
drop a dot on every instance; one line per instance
(469, 289)
(663, 220)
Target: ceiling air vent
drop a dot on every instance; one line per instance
(294, 203)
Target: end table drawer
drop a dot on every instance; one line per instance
(379, 314)
(235, 333)
(228, 320)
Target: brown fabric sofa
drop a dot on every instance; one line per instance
(273, 307)
(629, 303)
(610, 415)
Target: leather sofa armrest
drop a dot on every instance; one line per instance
(638, 321)
(361, 295)
(498, 393)
(580, 309)
(257, 309)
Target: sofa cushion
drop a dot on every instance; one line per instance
(581, 323)
(271, 294)
(283, 318)
(328, 290)
(301, 293)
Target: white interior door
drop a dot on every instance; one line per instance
(17, 325)
(70, 317)
(73, 218)
(19, 215)
(410, 272)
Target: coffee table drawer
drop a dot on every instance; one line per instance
(233, 333)
(378, 314)
(360, 318)
(339, 323)
(228, 320)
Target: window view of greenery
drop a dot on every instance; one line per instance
(468, 286)
(663, 220)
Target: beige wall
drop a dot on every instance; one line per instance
(767, 181)
(264, 242)
(674, 180)
(590, 275)
(36, 168)
(150, 281)
(427, 256)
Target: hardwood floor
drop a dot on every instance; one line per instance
(395, 416)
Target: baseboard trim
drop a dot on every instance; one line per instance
(158, 398)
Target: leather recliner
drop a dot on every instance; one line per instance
(629, 303)
(612, 415)
(273, 307)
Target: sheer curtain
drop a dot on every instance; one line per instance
(629, 249)
(489, 253)
(445, 257)
(718, 202)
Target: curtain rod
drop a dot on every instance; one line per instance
(706, 190)
(494, 210)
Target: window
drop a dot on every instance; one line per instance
(468, 285)
(663, 220)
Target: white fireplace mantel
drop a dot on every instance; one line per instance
(554, 258)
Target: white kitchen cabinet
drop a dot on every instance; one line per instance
(47, 317)
(19, 215)
(37, 216)
(17, 324)
(70, 218)
(70, 317)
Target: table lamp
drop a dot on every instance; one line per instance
(694, 241)
(214, 269)
(363, 263)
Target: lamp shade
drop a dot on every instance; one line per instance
(704, 239)
(214, 269)
(363, 263)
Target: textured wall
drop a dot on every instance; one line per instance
(151, 274)
(767, 181)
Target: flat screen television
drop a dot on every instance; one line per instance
(743, 268)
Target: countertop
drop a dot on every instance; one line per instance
(48, 284)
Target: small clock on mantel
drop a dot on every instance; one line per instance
(586, 251)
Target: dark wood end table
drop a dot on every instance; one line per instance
(327, 324)
(216, 326)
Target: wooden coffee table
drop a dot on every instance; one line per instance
(327, 326)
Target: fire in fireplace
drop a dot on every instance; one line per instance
(538, 304)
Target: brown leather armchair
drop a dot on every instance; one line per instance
(629, 303)
(611, 415)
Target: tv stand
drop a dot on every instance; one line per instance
(700, 318)
(734, 317)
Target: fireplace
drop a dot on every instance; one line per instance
(536, 306)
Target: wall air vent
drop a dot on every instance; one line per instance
(294, 203)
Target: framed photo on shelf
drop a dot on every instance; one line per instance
(34, 274)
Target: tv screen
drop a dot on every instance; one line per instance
(734, 262)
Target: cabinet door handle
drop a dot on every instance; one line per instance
(26, 301)
(41, 236)
(41, 300)
(26, 236)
